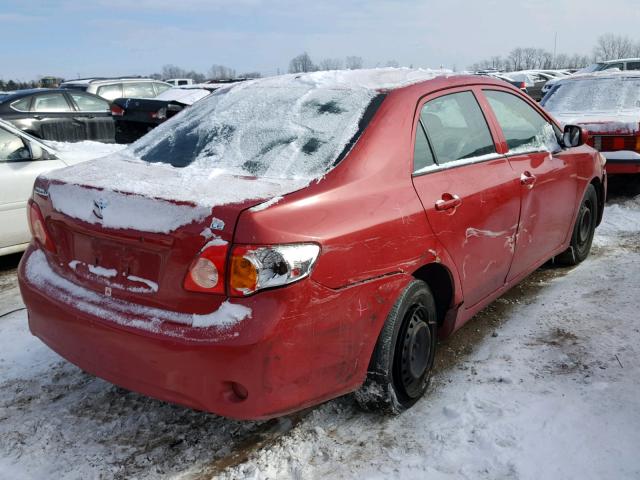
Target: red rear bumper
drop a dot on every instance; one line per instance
(623, 167)
(304, 344)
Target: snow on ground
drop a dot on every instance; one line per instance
(541, 384)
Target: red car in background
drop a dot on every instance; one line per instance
(300, 237)
(607, 105)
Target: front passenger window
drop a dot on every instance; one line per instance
(523, 127)
(456, 128)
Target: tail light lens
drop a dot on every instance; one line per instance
(160, 114)
(614, 143)
(255, 268)
(38, 227)
(207, 271)
(117, 111)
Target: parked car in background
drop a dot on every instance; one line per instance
(620, 64)
(134, 117)
(304, 236)
(179, 82)
(607, 105)
(59, 114)
(112, 88)
(533, 80)
(22, 159)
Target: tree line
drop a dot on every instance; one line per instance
(607, 47)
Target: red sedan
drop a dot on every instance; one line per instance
(607, 105)
(293, 239)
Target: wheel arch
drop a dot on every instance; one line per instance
(440, 281)
(600, 191)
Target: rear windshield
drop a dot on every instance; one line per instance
(295, 131)
(617, 94)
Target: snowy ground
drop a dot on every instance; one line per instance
(544, 383)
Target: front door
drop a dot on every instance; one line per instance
(548, 184)
(469, 192)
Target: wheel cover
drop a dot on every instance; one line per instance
(416, 350)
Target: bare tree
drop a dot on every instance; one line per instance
(392, 63)
(353, 62)
(330, 64)
(301, 63)
(515, 59)
(250, 75)
(220, 72)
(610, 46)
(172, 71)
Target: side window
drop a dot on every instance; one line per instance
(456, 128)
(633, 66)
(609, 66)
(139, 90)
(422, 156)
(87, 103)
(52, 102)
(22, 105)
(523, 127)
(12, 148)
(161, 87)
(110, 92)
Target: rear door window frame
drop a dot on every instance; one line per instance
(475, 91)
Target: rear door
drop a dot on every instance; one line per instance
(548, 184)
(17, 174)
(96, 115)
(469, 191)
(54, 118)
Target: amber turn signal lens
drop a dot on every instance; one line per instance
(244, 276)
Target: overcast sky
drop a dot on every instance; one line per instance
(110, 37)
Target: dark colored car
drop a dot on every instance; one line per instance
(305, 236)
(58, 114)
(134, 117)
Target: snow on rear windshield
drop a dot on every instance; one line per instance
(295, 130)
(618, 94)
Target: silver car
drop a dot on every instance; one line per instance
(112, 88)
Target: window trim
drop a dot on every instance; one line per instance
(509, 153)
(436, 167)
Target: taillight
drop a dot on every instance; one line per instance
(614, 143)
(117, 111)
(207, 271)
(160, 114)
(38, 227)
(256, 267)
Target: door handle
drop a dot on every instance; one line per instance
(448, 202)
(527, 179)
(38, 117)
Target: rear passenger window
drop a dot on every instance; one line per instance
(87, 103)
(456, 128)
(633, 65)
(139, 90)
(523, 127)
(54, 102)
(161, 87)
(110, 92)
(422, 156)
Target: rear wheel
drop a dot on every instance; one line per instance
(583, 230)
(402, 361)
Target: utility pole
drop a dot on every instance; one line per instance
(555, 49)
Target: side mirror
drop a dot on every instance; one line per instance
(37, 153)
(574, 136)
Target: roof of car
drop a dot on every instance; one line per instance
(89, 81)
(600, 74)
(6, 96)
(633, 59)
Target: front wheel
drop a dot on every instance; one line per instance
(402, 361)
(583, 230)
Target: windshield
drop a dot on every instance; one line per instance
(618, 94)
(263, 129)
(594, 67)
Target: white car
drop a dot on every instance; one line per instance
(22, 159)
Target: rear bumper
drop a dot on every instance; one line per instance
(622, 162)
(304, 344)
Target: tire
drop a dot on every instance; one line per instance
(583, 230)
(402, 360)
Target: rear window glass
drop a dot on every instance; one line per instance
(297, 131)
(110, 92)
(595, 95)
(139, 90)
